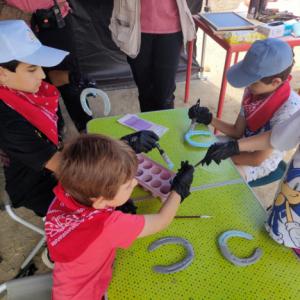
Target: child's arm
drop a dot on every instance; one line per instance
(221, 151)
(53, 162)
(253, 159)
(157, 222)
(180, 190)
(235, 130)
(284, 136)
(204, 116)
(256, 142)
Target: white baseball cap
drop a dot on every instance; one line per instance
(18, 42)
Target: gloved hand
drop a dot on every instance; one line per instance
(81, 80)
(141, 141)
(220, 151)
(183, 180)
(201, 114)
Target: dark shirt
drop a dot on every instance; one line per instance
(27, 151)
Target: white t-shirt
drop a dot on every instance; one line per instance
(270, 164)
(284, 217)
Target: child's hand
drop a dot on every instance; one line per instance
(183, 180)
(220, 151)
(141, 141)
(201, 114)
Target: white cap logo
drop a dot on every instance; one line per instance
(31, 36)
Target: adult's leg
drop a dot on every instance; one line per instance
(166, 53)
(142, 72)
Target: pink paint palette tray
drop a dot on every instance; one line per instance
(154, 177)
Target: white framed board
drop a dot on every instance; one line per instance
(226, 21)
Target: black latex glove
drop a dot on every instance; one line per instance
(201, 114)
(220, 151)
(183, 180)
(81, 80)
(141, 141)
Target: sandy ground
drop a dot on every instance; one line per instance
(16, 241)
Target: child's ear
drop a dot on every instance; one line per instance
(99, 202)
(2, 76)
(276, 81)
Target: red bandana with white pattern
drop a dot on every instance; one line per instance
(259, 111)
(39, 109)
(71, 227)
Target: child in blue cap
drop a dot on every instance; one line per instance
(31, 122)
(268, 100)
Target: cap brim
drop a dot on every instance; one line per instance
(238, 78)
(45, 57)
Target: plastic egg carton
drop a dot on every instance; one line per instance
(154, 177)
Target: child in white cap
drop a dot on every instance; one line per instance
(30, 121)
(30, 118)
(268, 100)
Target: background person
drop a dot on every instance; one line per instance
(152, 33)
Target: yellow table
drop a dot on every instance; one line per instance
(232, 205)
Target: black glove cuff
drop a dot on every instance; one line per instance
(209, 118)
(131, 140)
(235, 147)
(182, 191)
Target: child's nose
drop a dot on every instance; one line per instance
(41, 73)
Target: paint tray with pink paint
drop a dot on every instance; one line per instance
(154, 177)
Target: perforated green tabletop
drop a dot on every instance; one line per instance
(275, 276)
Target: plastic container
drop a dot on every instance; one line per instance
(154, 177)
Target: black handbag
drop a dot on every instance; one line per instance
(48, 18)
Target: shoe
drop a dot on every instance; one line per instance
(47, 260)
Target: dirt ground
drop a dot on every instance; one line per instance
(17, 241)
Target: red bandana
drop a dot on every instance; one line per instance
(71, 227)
(39, 109)
(259, 112)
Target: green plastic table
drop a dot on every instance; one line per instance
(218, 191)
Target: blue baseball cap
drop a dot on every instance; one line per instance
(265, 58)
(18, 42)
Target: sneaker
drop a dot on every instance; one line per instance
(47, 260)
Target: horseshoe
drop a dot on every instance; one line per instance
(191, 133)
(94, 92)
(232, 258)
(181, 265)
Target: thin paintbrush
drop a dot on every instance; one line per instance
(193, 217)
(164, 156)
